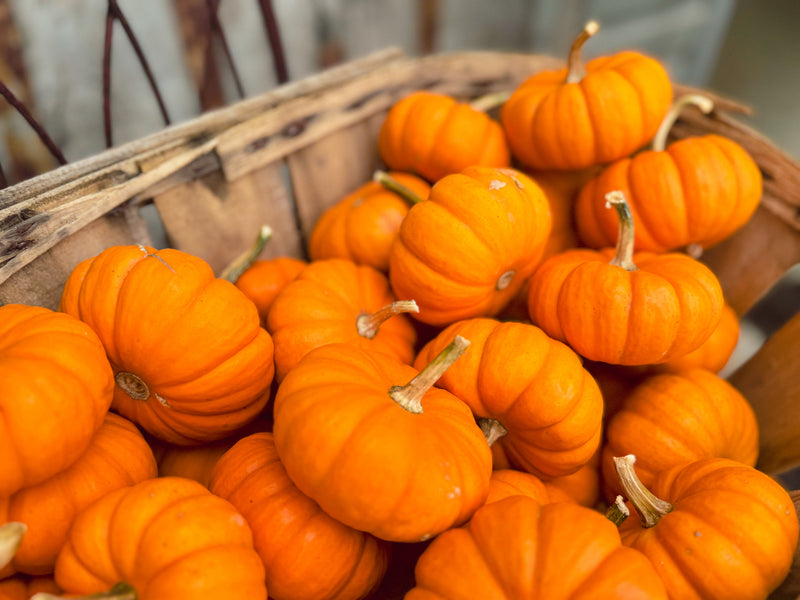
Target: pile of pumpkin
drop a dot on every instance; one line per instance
(474, 420)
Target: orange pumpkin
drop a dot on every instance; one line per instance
(516, 548)
(191, 362)
(307, 554)
(509, 482)
(672, 419)
(53, 371)
(162, 539)
(334, 301)
(363, 226)
(264, 279)
(535, 387)
(118, 456)
(468, 249)
(633, 310)
(23, 588)
(698, 190)
(712, 529)
(403, 463)
(433, 135)
(574, 118)
(582, 486)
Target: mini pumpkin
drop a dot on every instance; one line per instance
(614, 307)
(191, 361)
(433, 135)
(698, 190)
(53, 370)
(510, 482)
(264, 279)
(467, 250)
(577, 117)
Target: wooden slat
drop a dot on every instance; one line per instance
(217, 220)
(769, 381)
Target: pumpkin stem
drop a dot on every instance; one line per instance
(618, 512)
(410, 395)
(504, 280)
(240, 264)
(132, 385)
(394, 186)
(660, 139)
(368, 324)
(492, 430)
(487, 102)
(576, 70)
(121, 591)
(623, 257)
(649, 507)
(11, 535)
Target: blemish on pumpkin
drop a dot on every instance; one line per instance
(505, 280)
(425, 537)
(238, 520)
(358, 202)
(495, 184)
(698, 534)
(163, 402)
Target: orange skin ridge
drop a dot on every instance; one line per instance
(264, 279)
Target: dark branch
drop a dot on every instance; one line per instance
(37, 127)
(274, 38)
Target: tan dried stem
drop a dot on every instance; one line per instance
(121, 591)
(394, 186)
(487, 102)
(492, 430)
(649, 507)
(575, 69)
(618, 512)
(368, 324)
(11, 535)
(623, 257)
(706, 105)
(240, 264)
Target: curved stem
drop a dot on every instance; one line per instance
(121, 591)
(492, 430)
(410, 396)
(649, 507)
(623, 257)
(575, 68)
(368, 324)
(618, 512)
(11, 535)
(487, 102)
(240, 264)
(701, 102)
(394, 186)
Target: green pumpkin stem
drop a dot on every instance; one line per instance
(492, 430)
(649, 507)
(410, 396)
(121, 591)
(487, 102)
(618, 512)
(368, 324)
(660, 139)
(11, 535)
(575, 69)
(394, 186)
(623, 257)
(240, 264)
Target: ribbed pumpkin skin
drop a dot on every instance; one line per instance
(672, 419)
(118, 456)
(517, 549)
(698, 191)
(367, 461)
(533, 385)
(613, 111)
(264, 280)
(665, 309)
(193, 339)
(363, 225)
(454, 249)
(321, 307)
(508, 482)
(307, 554)
(169, 538)
(53, 370)
(433, 135)
(727, 519)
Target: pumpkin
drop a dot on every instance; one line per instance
(264, 279)
(576, 117)
(307, 554)
(363, 225)
(118, 456)
(191, 462)
(535, 387)
(698, 190)
(162, 539)
(509, 482)
(191, 362)
(582, 486)
(704, 521)
(433, 135)
(517, 548)
(23, 588)
(53, 370)
(671, 419)
(614, 307)
(403, 462)
(468, 249)
(336, 300)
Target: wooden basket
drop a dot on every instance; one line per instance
(283, 157)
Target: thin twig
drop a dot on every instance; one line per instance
(37, 127)
(216, 26)
(274, 38)
(107, 75)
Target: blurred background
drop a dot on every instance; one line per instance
(203, 54)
